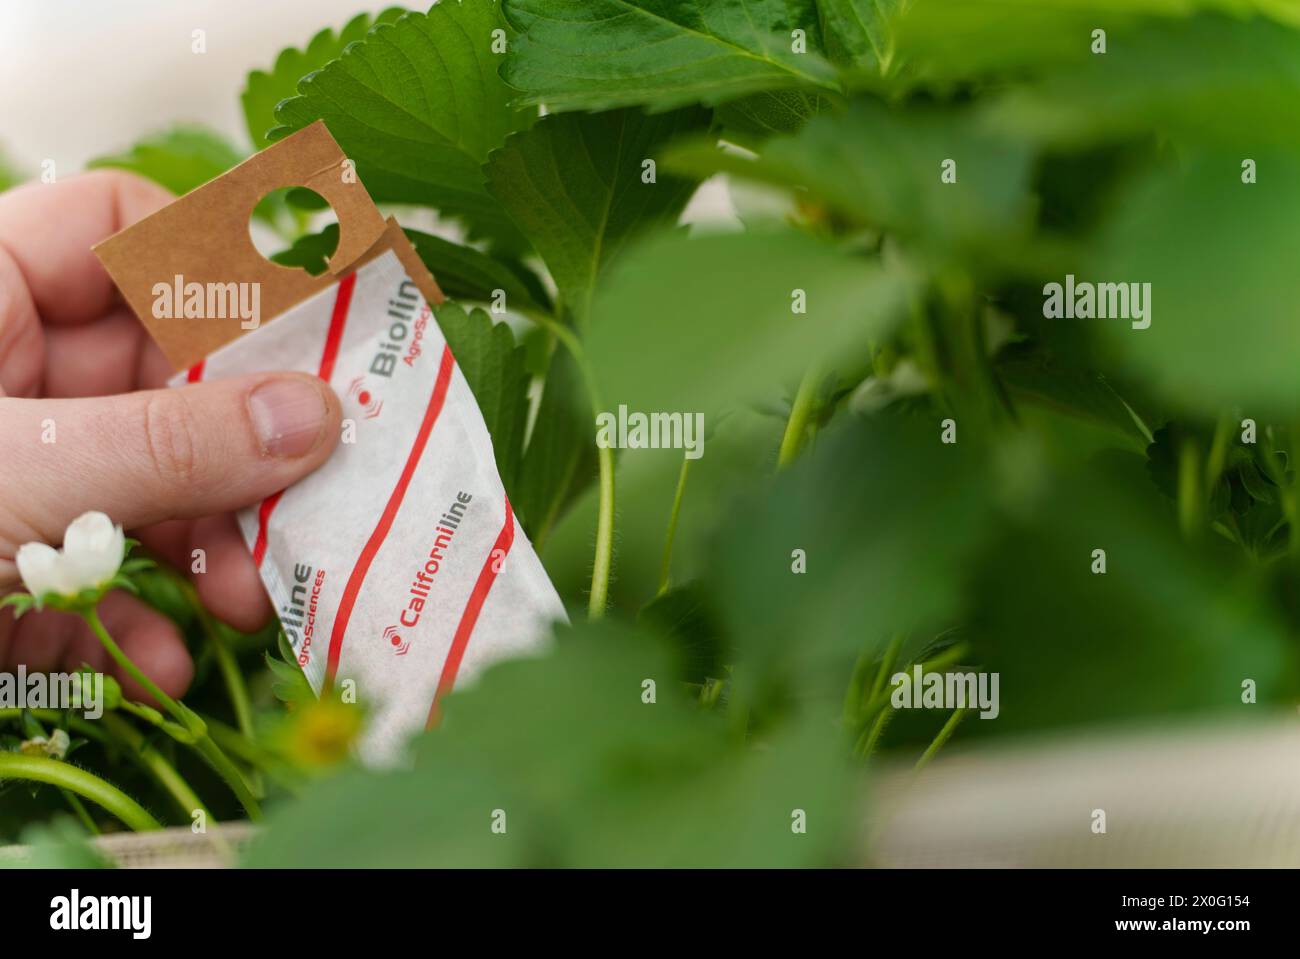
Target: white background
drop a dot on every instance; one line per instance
(86, 78)
(83, 78)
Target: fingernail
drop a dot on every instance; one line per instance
(288, 415)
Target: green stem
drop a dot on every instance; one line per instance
(79, 781)
(867, 743)
(228, 771)
(800, 412)
(209, 750)
(91, 616)
(79, 808)
(240, 703)
(74, 803)
(947, 658)
(869, 736)
(83, 727)
(114, 731)
(157, 766)
(858, 695)
(1190, 504)
(945, 734)
(603, 561)
(666, 565)
(234, 743)
(887, 663)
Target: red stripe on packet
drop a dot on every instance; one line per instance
(486, 577)
(338, 320)
(263, 519)
(368, 552)
(333, 337)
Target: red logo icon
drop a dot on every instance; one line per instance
(368, 401)
(395, 639)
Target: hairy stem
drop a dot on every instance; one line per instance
(240, 703)
(156, 765)
(945, 734)
(796, 426)
(233, 679)
(77, 780)
(74, 803)
(91, 616)
(870, 735)
(666, 565)
(187, 719)
(228, 771)
(603, 560)
(942, 661)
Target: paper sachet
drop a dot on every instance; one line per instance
(398, 568)
(399, 565)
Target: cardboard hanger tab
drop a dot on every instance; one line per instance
(191, 272)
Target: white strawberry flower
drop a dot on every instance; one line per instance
(92, 554)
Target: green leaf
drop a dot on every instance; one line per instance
(661, 53)
(263, 90)
(886, 519)
(946, 41)
(311, 251)
(685, 617)
(1033, 374)
(1209, 79)
(20, 603)
(1245, 499)
(882, 167)
(752, 119)
(1170, 629)
(960, 40)
(573, 184)
(161, 590)
(859, 33)
(60, 843)
(572, 767)
(1222, 288)
(465, 273)
(462, 272)
(419, 106)
(288, 682)
(694, 324)
(180, 158)
(560, 461)
(497, 373)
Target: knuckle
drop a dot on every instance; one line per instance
(169, 428)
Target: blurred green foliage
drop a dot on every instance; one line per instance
(952, 459)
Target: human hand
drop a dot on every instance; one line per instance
(86, 424)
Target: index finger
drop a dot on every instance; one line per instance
(49, 228)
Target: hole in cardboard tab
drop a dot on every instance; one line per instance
(295, 227)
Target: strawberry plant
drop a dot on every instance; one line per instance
(909, 461)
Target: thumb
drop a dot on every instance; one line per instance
(160, 454)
